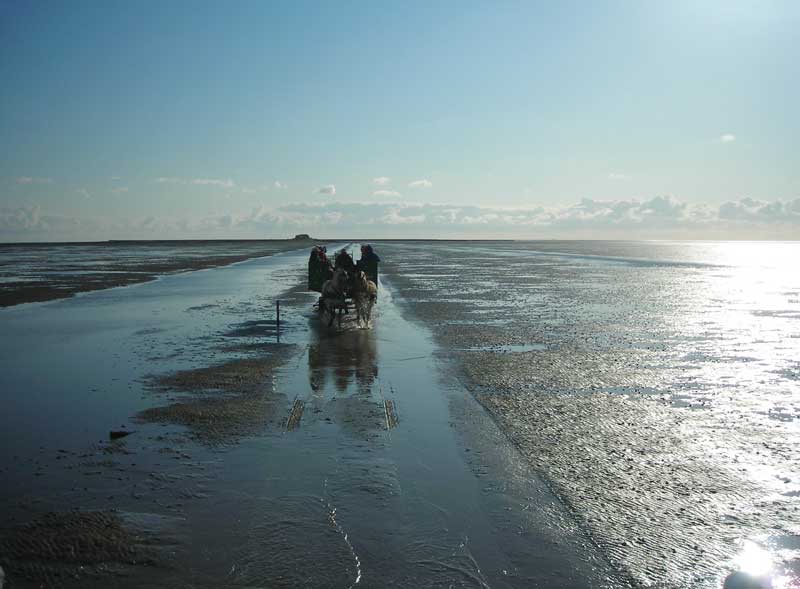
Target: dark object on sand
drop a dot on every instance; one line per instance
(116, 434)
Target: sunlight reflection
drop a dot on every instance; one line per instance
(756, 570)
(753, 559)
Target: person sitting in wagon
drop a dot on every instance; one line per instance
(369, 263)
(319, 268)
(345, 261)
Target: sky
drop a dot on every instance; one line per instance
(573, 119)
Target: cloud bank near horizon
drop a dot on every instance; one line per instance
(660, 217)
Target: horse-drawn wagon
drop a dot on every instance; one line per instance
(344, 283)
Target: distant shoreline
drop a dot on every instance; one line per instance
(117, 242)
(287, 240)
(156, 242)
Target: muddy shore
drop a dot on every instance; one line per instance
(598, 453)
(44, 272)
(587, 367)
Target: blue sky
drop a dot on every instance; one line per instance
(521, 119)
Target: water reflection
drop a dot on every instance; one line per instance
(756, 569)
(343, 374)
(346, 359)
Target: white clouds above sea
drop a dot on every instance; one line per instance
(31, 223)
(663, 217)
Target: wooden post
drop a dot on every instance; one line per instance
(278, 313)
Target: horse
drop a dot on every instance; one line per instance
(333, 296)
(364, 293)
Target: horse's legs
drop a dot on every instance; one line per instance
(357, 305)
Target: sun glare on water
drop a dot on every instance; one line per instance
(756, 570)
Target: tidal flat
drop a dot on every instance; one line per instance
(654, 386)
(556, 414)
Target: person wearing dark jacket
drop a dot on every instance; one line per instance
(369, 263)
(319, 268)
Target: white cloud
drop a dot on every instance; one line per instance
(32, 224)
(33, 180)
(381, 180)
(727, 138)
(751, 210)
(116, 178)
(279, 185)
(214, 182)
(83, 192)
(119, 190)
(170, 180)
(399, 216)
(654, 218)
(420, 184)
(618, 176)
(21, 219)
(330, 190)
(660, 214)
(385, 193)
(333, 217)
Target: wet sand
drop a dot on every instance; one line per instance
(654, 397)
(45, 272)
(263, 457)
(548, 421)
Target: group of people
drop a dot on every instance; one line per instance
(320, 267)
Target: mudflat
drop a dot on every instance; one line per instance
(44, 272)
(514, 417)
